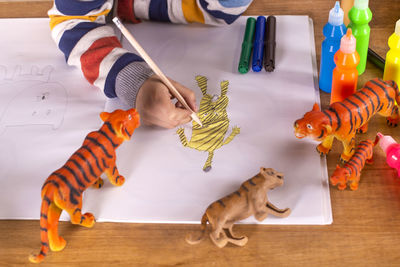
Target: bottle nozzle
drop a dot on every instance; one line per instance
(397, 28)
(337, 7)
(336, 15)
(361, 4)
(348, 43)
(385, 141)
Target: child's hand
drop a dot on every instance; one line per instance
(153, 102)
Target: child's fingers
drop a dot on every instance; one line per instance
(187, 94)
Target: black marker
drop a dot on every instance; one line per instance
(270, 44)
(376, 59)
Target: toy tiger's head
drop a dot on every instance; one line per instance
(314, 124)
(340, 177)
(272, 178)
(122, 122)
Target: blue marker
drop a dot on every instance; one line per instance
(258, 47)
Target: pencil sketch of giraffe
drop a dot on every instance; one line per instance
(214, 118)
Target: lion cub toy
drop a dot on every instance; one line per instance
(249, 199)
(63, 189)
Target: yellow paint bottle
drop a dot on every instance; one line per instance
(392, 63)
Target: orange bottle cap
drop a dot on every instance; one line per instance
(348, 43)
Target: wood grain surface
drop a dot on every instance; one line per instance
(366, 223)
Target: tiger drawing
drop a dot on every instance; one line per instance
(250, 199)
(343, 119)
(63, 189)
(351, 171)
(213, 115)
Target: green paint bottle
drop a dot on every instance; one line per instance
(360, 15)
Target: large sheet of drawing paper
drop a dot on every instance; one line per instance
(47, 108)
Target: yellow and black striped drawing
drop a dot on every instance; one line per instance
(214, 117)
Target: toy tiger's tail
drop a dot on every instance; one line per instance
(203, 227)
(43, 231)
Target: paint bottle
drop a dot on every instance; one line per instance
(333, 32)
(346, 6)
(392, 64)
(392, 151)
(360, 15)
(345, 75)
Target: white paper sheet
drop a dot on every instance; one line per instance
(164, 180)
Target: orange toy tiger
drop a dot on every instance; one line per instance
(343, 119)
(64, 187)
(352, 169)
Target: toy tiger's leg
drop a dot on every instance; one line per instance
(235, 131)
(260, 215)
(349, 146)
(281, 213)
(218, 237)
(182, 136)
(238, 241)
(114, 176)
(207, 165)
(354, 183)
(98, 184)
(394, 117)
(74, 211)
(369, 160)
(56, 242)
(363, 129)
(326, 145)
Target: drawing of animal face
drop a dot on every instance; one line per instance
(213, 109)
(272, 178)
(40, 104)
(314, 124)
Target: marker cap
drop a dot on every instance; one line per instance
(385, 141)
(361, 4)
(397, 28)
(348, 43)
(336, 15)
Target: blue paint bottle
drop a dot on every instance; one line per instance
(333, 32)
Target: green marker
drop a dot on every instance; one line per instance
(247, 46)
(360, 15)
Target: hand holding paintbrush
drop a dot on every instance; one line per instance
(155, 68)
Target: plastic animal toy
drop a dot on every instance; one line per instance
(351, 171)
(214, 117)
(343, 119)
(250, 199)
(63, 189)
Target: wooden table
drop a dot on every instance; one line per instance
(366, 226)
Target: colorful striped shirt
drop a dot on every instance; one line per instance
(80, 31)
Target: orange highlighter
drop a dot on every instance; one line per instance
(345, 74)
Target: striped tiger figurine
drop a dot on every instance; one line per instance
(63, 189)
(351, 171)
(214, 118)
(343, 119)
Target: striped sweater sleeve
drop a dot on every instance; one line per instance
(79, 29)
(213, 12)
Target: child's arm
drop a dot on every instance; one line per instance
(214, 12)
(79, 30)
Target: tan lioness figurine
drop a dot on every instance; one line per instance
(250, 199)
